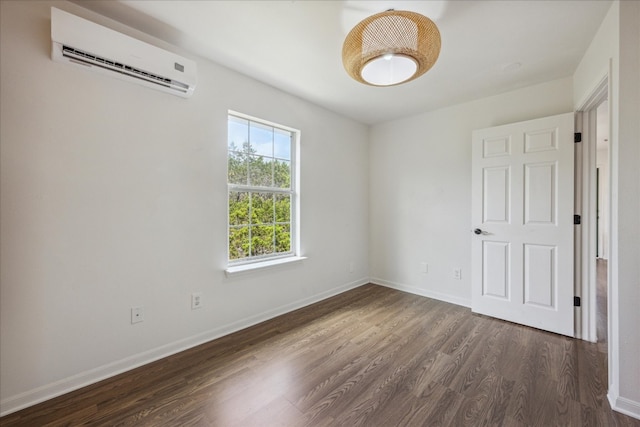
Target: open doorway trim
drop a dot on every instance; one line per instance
(586, 237)
(585, 122)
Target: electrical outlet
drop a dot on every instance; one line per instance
(196, 300)
(137, 314)
(351, 267)
(424, 268)
(457, 273)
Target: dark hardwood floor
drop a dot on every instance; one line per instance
(601, 303)
(369, 357)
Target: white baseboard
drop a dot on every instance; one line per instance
(624, 405)
(82, 379)
(423, 292)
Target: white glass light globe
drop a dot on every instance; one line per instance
(389, 70)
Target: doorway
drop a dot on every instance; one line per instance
(602, 222)
(592, 205)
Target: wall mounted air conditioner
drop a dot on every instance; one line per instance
(84, 43)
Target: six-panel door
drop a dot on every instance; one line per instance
(522, 191)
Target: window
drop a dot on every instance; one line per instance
(262, 192)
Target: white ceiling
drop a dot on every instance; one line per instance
(296, 45)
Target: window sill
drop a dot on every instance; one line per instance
(255, 266)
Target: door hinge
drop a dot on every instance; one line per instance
(577, 137)
(576, 219)
(576, 301)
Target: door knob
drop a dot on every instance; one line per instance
(478, 231)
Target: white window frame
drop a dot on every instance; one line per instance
(269, 260)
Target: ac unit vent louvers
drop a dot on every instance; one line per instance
(90, 59)
(86, 44)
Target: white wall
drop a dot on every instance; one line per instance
(628, 209)
(421, 188)
(595, 62)
(114, 195)
(616, 50)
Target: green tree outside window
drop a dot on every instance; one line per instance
(260, 190)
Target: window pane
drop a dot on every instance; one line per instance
(283, 208)
(283, 238)
(262, 209)
(261, 138)
(262, 240)
(238, 242)
(261, 189)
(237, 168)
(260, 171)
(282, 173)
(238, 134)
(282, 144)
(238, 208)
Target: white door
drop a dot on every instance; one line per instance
(522, 208)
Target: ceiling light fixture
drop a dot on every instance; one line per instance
(391, 47)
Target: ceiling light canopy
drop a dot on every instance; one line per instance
(391, 47)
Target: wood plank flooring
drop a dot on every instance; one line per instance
(369, 357)
(601, 303)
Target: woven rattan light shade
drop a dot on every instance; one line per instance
(394, 33)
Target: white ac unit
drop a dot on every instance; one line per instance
(87, 44)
